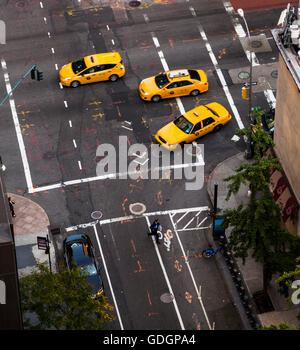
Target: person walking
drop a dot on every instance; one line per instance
(11, 206)
(154, 228)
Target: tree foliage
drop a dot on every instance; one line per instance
(258, 225)
(62, 300)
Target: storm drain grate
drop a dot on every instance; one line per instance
(134, 3)
(96, 215)
(167, 297)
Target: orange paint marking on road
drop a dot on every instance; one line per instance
(118, 109)
(188, 297)
(140, 267)
(149, 299)
(133, 246)
(190, 40)
(159, 198)
(171, 43)
(177, 266)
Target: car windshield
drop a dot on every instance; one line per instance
(78, 66)
(212, 111)
(89, 269)
(161, 80)
(183, 124)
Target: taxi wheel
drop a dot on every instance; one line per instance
(195, 92)
(113, 77)
(218, 127)
(156, 98)
(75, 84)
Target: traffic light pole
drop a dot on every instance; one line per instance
(18, 83)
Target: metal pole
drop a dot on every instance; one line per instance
(48, 252)
(215, 205)
(18, 83)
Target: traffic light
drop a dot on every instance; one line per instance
(245, 93)
(32, 72)
(39, 75)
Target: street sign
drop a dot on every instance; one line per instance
(42, 243)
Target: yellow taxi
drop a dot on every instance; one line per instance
(91, 69)
(193, 124)
(174, 83)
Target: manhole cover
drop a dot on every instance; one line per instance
(49, 155)
(20, 4)
(134, 3)
(96, 215)
(274, 74)
(137, 208)
(166, 298)
(255, 44)
(244, 75)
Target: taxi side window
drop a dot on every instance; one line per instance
(174, 85)
(91, 70)
(208, 121)
(106, 66)
(197, 127)
(186, 83)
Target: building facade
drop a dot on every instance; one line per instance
(285, 185)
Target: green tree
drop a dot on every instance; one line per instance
(62, 300)
(258, 225)
(287, 278)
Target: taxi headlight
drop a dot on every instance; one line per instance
(145, 92)
(67, 78)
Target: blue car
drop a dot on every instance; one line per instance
(79, 252)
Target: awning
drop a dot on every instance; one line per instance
(281, 194)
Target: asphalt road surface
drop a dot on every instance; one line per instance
(50, 136)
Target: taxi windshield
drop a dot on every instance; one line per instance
(161, 80)
(78, 66)
(183, 124)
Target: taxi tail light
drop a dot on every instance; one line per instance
(206, 83)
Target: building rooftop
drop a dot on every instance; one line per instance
(287, 38)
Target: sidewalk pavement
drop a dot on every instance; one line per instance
(252, 270)
(31, 221)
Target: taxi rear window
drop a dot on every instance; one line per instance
(78, 66)
(161, 80)
(194, 74)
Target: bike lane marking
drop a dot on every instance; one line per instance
(191, 273)
(108, 278)
(166, 278)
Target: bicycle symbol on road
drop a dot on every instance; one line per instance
(167, 237)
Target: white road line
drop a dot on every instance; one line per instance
(66, 104)
(56, 66)
(52, 50)
(131, 217)
(241, 33)
(49, 35)
(177, 221)
(108, 278)
(45, 20)
(193, 228)
(107, 27)
(60, 85)
(74, 143)
(146, 18)
(167, 279)
(79, 164)
(113, 42)
(17, 128)
(191, 274)
(221, 77)
(193, 218)
(111, 176)
(41, 4)
(125, 127)
(70, 123)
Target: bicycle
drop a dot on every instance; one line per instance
(207, 253)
